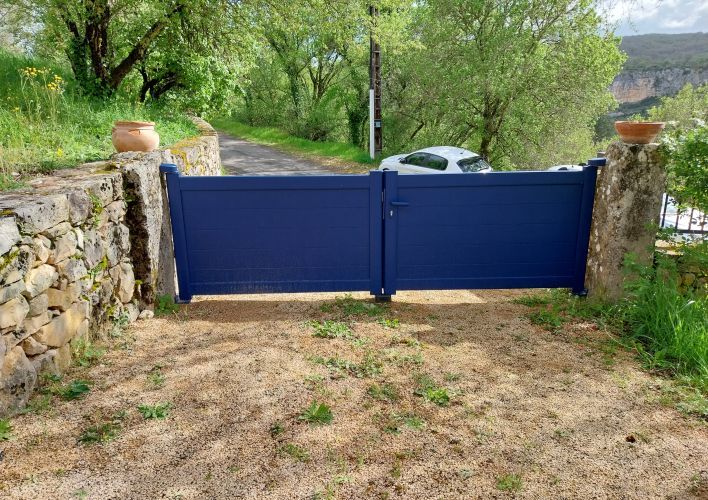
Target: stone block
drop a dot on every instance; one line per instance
(72, 269)
(15, 265)
(64, 247)
(13, 312)
(18, 379)
(124, 281)
(40, 279)
(93, 248)
(80, 207)
(38, 305)
(58, 230)
(11, 291)
(79, 238)
(32, 347)
(9, 234)
(64, 327)
(41, 245)
(63, 299)
(32, 325)
(41, 213)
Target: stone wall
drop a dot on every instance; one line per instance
(81, 251)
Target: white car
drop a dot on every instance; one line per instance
(566, 168)
(437, 160)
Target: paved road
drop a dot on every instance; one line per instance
(241, 157)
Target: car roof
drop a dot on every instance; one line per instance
(448, 152)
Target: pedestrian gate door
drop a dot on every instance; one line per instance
(380, 232)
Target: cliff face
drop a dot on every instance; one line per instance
(637, 85)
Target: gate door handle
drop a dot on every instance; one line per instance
(399, 203)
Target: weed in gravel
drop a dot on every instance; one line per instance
(156, 378)
(548, 319)
(383, 392)
(389, 323)
(165, 305)
(317, 413)
(370, 366)
(158, 411)
(430, 391)
(533, 300)
(509, 482)
(276, 429)
(399, 359)
(298, 453)
(330, 329)
(414, 421)
(452, 377)
(101, 433)
(349, 306)
(5, 429)
(85, 353)
(75, 389)
(39, 404)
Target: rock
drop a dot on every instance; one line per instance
(113, 212)
(72, 269)
(64, 247)
(32, 347)
(124, 280)
(11, 291)
(13, 313)
(17, 381)
(93, 248)
(15, 265)
(63, 299)
(32, 325)
(79, 238)
(689, 279)
(146, 314)
(80, 206)
(38, 305)
(132, 311)
(39, 279)
(64, 327)
(52, 361)
(83, 331)
(58, 230)
(9, 234)
(118, 246)
(42, 249)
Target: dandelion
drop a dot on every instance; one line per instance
(60, 152)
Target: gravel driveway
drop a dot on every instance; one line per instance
(437, 395)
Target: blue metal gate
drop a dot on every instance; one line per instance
(380, 232)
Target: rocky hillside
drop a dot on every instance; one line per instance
(660, 65)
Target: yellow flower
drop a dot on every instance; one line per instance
(60, 152)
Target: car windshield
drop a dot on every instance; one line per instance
(473, 164)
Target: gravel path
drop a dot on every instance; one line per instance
(531, 414)
(241, 157)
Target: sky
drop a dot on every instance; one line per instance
(638, 17)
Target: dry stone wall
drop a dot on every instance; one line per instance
(82, 251)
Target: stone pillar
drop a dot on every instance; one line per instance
(627, 205)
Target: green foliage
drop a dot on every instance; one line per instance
(158, 411)
(104, 431)
(661, 51)
(5, 429)
(548, 319)
(166, 305)
(155, 378)
(389, 323)
(298, 453)
(668, 324)
(427, 388)
(370, 366)
(349, 306)
(45, 128)
(317, 413)
(330, 329)
(383, 392)
(76, 389)
(688, 166)
(85, 353)
(509, 482)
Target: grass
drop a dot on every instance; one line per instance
(75, 389)
(46, 124)
(298, 453)
(370, 366)
(430, 391)
(317, 413)
(5, 429)
(509, 482)
(383, 392)
(158, 411)
(282, 140)
(330, 329)
(165, 305)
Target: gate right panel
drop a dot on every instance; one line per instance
(494, 230)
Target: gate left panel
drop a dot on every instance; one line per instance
(276, 234)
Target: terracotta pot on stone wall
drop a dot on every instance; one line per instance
(135, 136)
(638, 132)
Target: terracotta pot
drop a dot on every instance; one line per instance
(135, 136)
(638, 132)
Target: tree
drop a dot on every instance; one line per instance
(503, 75)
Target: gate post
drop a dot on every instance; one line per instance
(629, 196)
(174, 196)
(584, 222)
